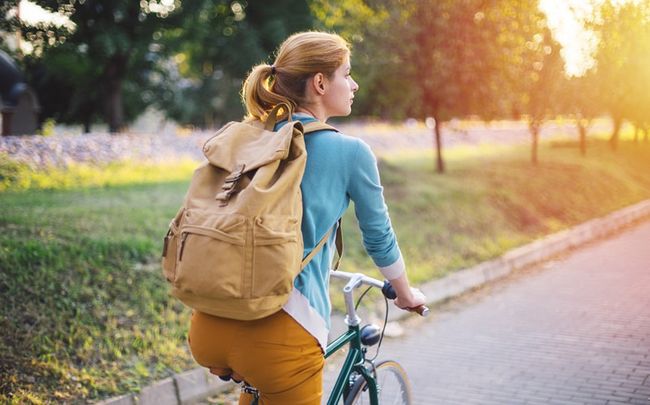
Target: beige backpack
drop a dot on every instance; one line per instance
(235, 246)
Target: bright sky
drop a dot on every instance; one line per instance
(565, 20)
(34, 14)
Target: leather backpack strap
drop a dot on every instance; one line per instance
(314, 126)
(339, 245)
(274, 115)
(319, 246)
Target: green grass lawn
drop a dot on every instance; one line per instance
(85, 313)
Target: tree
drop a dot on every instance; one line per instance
(531, 69)
(456, 62)
(541, 81)
(579, 97)
(99, 68)
(445, 52)
(639, 73)
(623, 61)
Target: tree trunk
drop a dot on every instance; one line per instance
(440, 164)
(613, 141)
(114, 107)
(115, 112)
(636, 134)
(645, 131)
(208, 122)
(534, 131)
(582, 129)
(6, 123)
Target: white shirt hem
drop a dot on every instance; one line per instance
(299, 309)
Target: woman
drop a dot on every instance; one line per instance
(282, 355)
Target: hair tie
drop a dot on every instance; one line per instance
(272, 69)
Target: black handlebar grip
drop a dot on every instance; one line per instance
(388, 290)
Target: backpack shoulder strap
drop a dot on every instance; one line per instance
(319, 246)
(314, 126)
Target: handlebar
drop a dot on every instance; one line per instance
(358, 279)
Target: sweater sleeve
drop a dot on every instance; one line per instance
(364, 188)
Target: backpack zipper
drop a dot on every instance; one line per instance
(183, 237)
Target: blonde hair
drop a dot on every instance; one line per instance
(300, 57)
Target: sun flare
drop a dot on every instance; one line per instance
(566, 19)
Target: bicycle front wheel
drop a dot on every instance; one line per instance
(392, 385)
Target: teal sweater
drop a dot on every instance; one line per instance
(339, 169)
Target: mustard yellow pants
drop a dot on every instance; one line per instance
(274, 354)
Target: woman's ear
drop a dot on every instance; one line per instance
(318, 83)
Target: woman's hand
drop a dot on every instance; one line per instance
(407, 296)
(412, 299)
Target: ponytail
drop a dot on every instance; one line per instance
(258, 95)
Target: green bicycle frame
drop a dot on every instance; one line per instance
(353, 362)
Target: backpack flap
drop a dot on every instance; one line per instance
(245, 144)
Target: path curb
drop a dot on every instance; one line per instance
(187, 387)
(196, 384)
(524, 256)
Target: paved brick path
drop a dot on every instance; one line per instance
(574, 331)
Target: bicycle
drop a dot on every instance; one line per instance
(362, 380)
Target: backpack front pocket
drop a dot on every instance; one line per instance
(211, 259)
(276, 255)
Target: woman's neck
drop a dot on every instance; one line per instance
(314, 112)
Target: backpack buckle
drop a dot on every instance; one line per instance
(230, 184)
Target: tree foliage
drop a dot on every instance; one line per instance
(214, 47)
(375, 64)
(99, 68)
